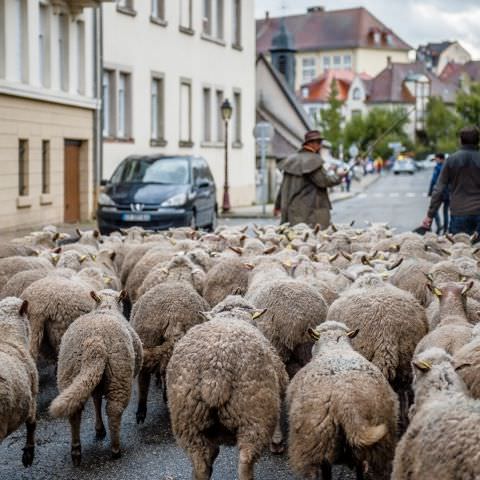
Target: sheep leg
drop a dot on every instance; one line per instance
(143, 385)
(276, 445)
(202, 461)
(311, 473)
(76, 450)
(114, 413)
(29, 449)
(101, 433)
(326, 470)
(246, 462)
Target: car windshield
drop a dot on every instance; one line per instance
(167, 171)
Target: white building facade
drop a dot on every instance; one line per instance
(168, 66)
(47, 111)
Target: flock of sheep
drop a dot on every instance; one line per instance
(368, 338)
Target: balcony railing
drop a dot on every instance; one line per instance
(76, 6)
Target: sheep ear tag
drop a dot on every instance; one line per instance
(258, 313)
(353, 333)
(314, 334)
(422, 365)
(437, 292)
(23, 308)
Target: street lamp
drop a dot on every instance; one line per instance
(226, 110)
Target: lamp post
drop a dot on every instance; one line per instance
(227, 110)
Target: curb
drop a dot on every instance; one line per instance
(244, 216)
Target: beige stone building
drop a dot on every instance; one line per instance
(350, 39)
(48, 105)
(436, 56)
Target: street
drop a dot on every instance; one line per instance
(149, 450)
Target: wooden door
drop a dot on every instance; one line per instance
(72, 181)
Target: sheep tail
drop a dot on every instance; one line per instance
(215, 389)
(361, 435)
(72, 399)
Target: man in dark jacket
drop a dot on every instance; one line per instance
(440, 159)
(303, 196)
(461, 174)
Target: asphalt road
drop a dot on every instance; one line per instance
(149, 450)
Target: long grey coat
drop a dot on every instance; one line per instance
(304, 192)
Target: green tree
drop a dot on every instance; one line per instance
(331, 119)
(468, 105)
(376, 130)
(442, 126)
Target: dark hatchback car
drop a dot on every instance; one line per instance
(157, 193)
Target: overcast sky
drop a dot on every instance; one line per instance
(415, 21)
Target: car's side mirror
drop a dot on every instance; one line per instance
(103, 183)
(203, 184)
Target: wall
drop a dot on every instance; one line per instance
(454, 53)
(167, 50)
(36, 121)
(373, 61)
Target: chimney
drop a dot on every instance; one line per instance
(317, 9)
(267, 15)
(389, 61)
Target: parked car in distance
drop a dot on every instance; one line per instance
(404, 165)
(429, 162)
(158, 192)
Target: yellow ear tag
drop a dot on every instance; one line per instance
(437, 292)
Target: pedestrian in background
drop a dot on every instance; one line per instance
(461, 174)
(303, 196)
(441, 228)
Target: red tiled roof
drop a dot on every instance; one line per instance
(388, 85)
(319, 89)
(452, 71)
(331, 29)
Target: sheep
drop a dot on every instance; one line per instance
(228, 276)
(18, 375)
(391, 323)
(55, 302)
(20, 281)
(292, 307)
(454, 330)
(442, 441)
(179, 269)
(341, 410)
(12, 250)
(225, 383)
(161, 317)
(410, 276)
(100, 355)
(12, 265)
(467, 361)
(90, 237)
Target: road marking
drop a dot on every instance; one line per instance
(378, 195)
(394, 194)
(424, 195)
(363, 195)
(411, 195)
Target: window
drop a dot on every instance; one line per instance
(19, 50)
(237, 23)
(337, 61)
(377, 37)
(185, 113)
(122, 105)
(45, 166)
(207, 17)
(282, 65)
(186, 14)
(357, 94)
(158, 9)
(81, 57)
(207, 115)
(220, 16)
(237, 116)
(389, 39)
(347, 62)
(44, 46)
(125, 4)
(63, 50)
(326, 63)
(218, 108)
(2, 38)
(308, 69)
(157, 107)
(107, 102)
(23, 168)
(305, 92)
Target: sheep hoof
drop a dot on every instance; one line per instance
(28, 455)
(141, 414)
(76, 455)
(100, 433)
(277, 448)
(116, 455)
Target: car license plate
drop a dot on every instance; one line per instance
(136, 217)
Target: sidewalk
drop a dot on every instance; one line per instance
(336, 195)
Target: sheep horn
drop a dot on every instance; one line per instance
(236, 250)
(244, 229)
(269, 250)
(445, 252)
(366, 261)
(317, 228)
(476, 251)
(305, 237)
(474, 238)
(78, 231)
(334, 228)
(352, 333)
(395, 264)
(352, 223)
